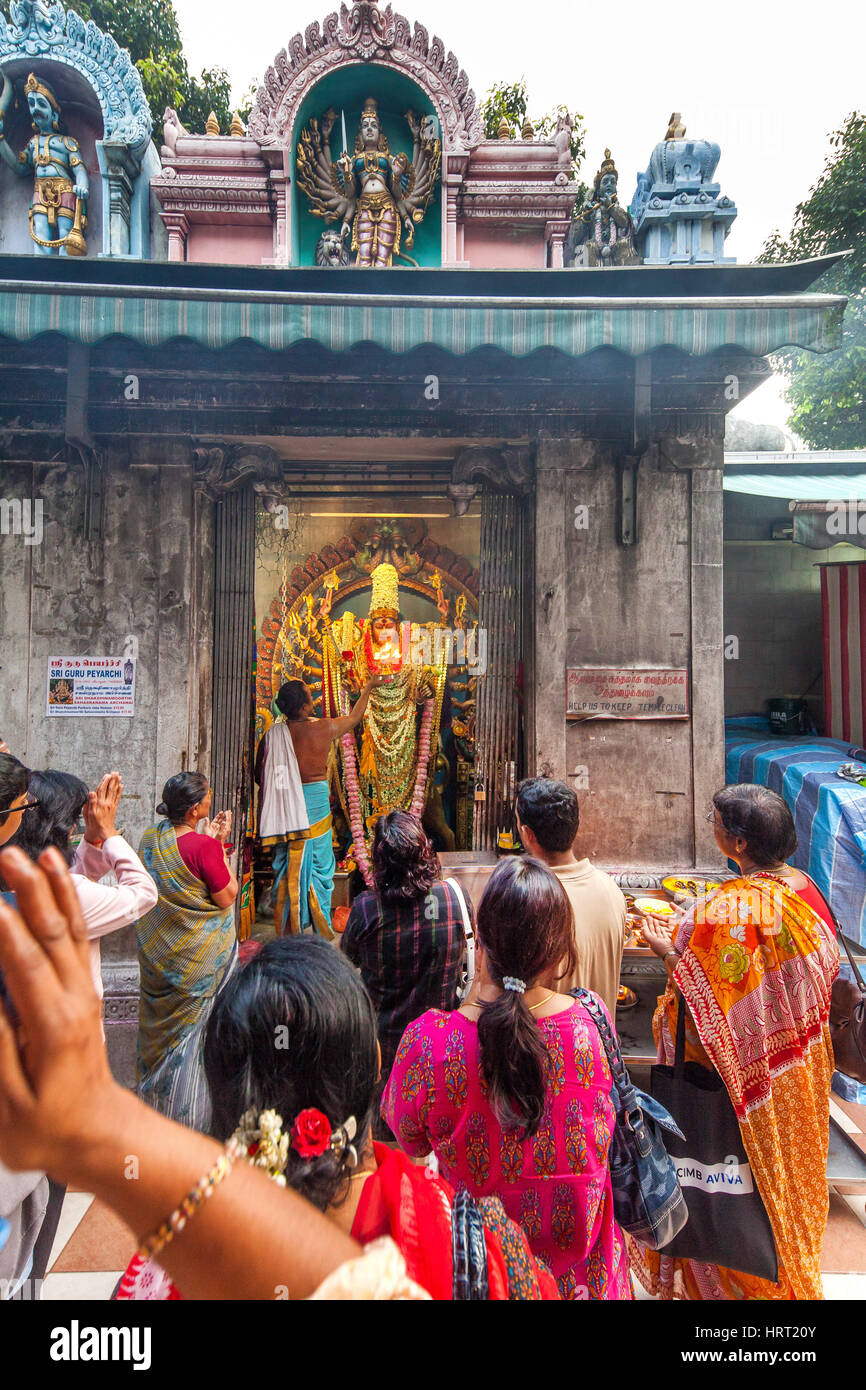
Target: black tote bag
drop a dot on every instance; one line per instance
(728, 1223)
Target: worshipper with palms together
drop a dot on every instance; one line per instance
(187, 944)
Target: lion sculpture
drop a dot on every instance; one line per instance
(331, 249)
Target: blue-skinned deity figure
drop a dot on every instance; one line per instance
(58, 211)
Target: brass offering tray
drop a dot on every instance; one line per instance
(684, 888)
(635, 944)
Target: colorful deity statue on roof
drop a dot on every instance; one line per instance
(378, 198)
(58, 211)
(604, 228)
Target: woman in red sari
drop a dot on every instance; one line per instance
(292, 1063)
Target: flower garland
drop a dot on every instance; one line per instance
(353, 790)
(261, 1139)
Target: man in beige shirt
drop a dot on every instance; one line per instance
(547, 821)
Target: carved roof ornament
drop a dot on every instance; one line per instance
(366, 29)
(676, 130)
(365, 33)
(43, 29)
(212, 125)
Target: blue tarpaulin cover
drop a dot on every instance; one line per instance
(829, 813)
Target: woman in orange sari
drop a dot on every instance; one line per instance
(755, 962)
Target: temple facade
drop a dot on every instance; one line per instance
(221, 408)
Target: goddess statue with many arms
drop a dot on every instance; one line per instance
(378, 197)
(388, 767)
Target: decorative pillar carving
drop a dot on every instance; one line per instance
(120, 169)
(280, 184)
(452, 181)
(177, 225)
(555, 234)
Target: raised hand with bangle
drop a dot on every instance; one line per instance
(62, 1111)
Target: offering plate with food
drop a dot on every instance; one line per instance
(686, 890)
(633, 932)
(657, 907)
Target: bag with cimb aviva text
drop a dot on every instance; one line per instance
(728, 1223)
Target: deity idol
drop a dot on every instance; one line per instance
(390, 768)
(604, 227)
(61, 186)
(376, 196)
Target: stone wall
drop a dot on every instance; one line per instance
(643, 785)
(144, 583)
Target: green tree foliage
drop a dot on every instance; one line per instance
(828, 392)
(149, 30)
(509, 102)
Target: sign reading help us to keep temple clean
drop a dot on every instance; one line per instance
(91, 685)
(613, 692)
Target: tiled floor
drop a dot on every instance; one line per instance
(93, 1246)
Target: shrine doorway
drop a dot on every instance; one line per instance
(276, 559)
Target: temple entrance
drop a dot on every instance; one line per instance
(315, 568)
(303, 573)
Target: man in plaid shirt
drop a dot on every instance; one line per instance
(407, 937)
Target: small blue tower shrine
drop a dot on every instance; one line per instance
(680, 216)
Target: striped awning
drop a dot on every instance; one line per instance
(459, 324)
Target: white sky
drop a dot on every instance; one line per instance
(766, 80)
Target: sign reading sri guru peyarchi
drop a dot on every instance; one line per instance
(613, 692)
(91, 685)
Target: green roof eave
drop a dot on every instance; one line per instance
(274, 319)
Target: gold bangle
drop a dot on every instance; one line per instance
(191, 1203)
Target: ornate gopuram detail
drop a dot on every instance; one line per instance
(604, 230)
(681, 216)
(378, 197)
(45, 52)
(499, 470)
(365, 33)
(301, 158)
(212, 180)
(46, 30)
(519, 184)
(223, 468)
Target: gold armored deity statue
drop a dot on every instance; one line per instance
(390, 768)
(378, 198)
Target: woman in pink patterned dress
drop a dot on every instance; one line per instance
(512, 1092)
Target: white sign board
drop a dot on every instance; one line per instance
(102, 686)
(613, 692)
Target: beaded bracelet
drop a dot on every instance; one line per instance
(191, 1202)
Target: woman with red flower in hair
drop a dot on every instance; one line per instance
(292, 1062)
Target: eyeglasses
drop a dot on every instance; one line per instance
(19, 810)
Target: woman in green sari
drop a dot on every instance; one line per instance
(187, 946)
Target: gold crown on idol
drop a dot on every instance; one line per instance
(607, 167)
(371, 108)
(34, 85)
(385, 598)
